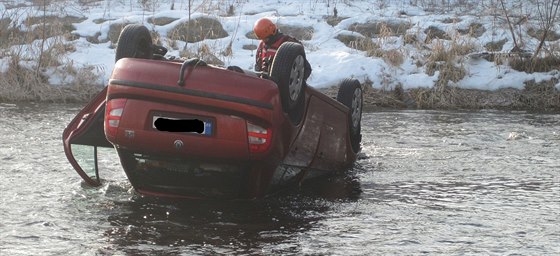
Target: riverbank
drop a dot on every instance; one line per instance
(541, 97)
(448, 55)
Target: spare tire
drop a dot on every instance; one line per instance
(287, 72)
(135, 41)
(350, 94)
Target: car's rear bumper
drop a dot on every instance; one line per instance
(196, 178)
(172, 177)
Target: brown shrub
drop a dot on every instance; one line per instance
(197, 30)
(458, 98)
(23, 84)
(20, 83)
(495, 46)
(474, 30)
(530, 65)
(410, 39)
(541, 96)
(334, 20)
(393, 57)
(376, 29)
(350, 40)
(435, 32)
(538, 33)
(160, 21)
(451, 20)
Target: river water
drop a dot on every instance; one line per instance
(426, 182)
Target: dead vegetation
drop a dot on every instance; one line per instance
(376, 29)
(34, 51)
(161, 21)
(442, 51)
(531, 65)
(542, 97)
(23, 84)
(334, 20)
(300, 33)
(196, 30)
(536, 97)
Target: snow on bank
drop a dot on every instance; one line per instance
(331, 59)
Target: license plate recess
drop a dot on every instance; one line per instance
(183, 124)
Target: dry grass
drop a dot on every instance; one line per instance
(25, 78)
(373, 98)
(197, 30)
(530, 65)
(495, 46)
(433, 32)
(204, 52)
(541, 97)
(23, 84)
(377, 29)
(551, 36)
(446, 59)
(440, 96)
(161, 21)
(538, 96)
(394, 57)
(474, 30)
(42, 27)
(334, 20)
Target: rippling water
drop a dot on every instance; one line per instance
(426, 182)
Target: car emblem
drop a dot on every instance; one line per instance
(178, 144)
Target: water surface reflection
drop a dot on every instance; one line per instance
(266, 226)
(426, 182)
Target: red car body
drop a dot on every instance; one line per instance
(221, 134)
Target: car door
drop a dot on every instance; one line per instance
(83, 135)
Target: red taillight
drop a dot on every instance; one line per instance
(113, 113)
(259, 138)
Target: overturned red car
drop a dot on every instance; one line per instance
(186, 129)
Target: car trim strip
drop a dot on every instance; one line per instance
(192, 93)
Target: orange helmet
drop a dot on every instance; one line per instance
(264, 28)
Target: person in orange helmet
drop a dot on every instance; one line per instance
(271, 39)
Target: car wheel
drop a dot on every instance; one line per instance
(350, 94)
(287, 72)
(134, 41)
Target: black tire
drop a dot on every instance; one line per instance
(350, 94)
(288, 71)
(135, 41)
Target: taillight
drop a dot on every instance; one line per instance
(259, 138)
(113, 113)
